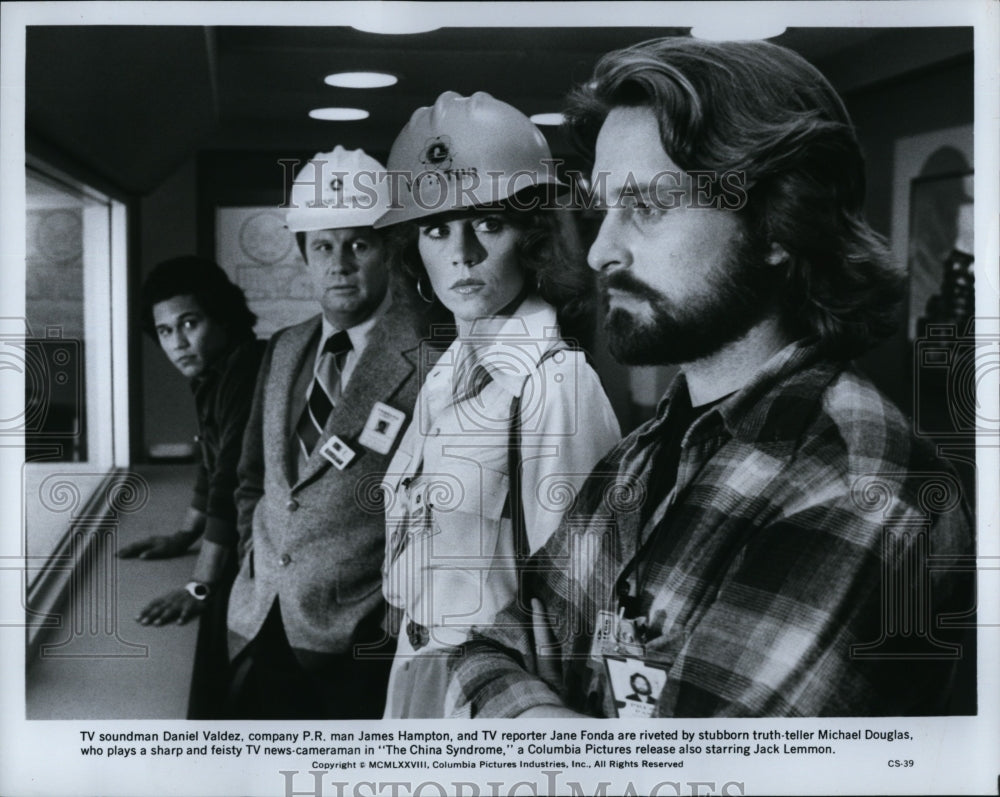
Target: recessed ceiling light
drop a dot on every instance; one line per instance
(338, 114)
(548, 119)
(361, 80)
(398, 23)
(737, 31)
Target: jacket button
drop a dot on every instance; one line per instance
(292, 505)
(284, 559)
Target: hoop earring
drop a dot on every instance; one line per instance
(420, 291)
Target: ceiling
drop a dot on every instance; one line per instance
(132, 103)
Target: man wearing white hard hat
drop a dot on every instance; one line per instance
(333, 397)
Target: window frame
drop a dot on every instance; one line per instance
(106, 377)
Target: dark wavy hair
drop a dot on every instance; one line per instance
(764, 113)
(189, 275)
(549, 252)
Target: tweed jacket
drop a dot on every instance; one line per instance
(316, 542)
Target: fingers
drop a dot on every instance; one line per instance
(134, 549)
(157, 612)
(547, 652)
(177, 607)
(543, 634)
(187, 612)
(161, 548)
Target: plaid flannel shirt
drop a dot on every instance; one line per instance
(800, 568)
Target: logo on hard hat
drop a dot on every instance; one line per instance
(437, 153)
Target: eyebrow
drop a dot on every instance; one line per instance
(616, 188)
(182, 317)
(458, 215)
(656, 188)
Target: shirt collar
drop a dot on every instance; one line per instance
(220, 363)
(774, 406)
(510, 349)
(359, 332)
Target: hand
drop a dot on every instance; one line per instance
(161, 546)
(178, 606)
(547, 656)
(546, 649)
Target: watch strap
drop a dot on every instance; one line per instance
(198, 590)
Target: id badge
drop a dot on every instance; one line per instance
(382, 428)
(338, 452)
(635, 685)
(616, 636)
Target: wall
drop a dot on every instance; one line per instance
(922, 101)
(919, 103)
(168, 227)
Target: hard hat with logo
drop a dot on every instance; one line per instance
(342, 188)
(464, 152)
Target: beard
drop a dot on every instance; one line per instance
(733, 300)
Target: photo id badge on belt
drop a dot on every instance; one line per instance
(381, 428)
(635, 685)
(338, 452)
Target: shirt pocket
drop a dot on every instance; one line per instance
(442, 571)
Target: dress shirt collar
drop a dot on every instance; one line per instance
(359, 332)
(510, 348)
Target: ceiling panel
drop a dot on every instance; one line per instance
(132, 103)
(128, 103)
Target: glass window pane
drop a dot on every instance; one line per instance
(55, 394)
(73, 354)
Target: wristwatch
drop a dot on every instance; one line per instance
(198, 590)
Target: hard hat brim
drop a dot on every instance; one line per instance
(312, 219)
(486, 195)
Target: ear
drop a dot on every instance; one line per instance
(776, 256)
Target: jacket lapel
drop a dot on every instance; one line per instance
(377, 376)
(291, 361)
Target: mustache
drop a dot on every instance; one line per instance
(626, 282)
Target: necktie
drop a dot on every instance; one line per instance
(324, 391)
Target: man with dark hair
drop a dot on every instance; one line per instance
(764, 540)
(201, 321)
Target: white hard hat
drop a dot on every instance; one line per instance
(343, 188)
(464, 152)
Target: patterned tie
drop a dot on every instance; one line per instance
(324, 391)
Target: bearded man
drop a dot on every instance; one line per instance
(761, 547)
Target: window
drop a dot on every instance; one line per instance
(72, 350)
